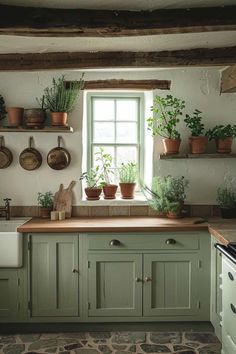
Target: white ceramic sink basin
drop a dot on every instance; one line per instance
(11, 243)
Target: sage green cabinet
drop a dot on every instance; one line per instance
(10, 302)
(54, 275)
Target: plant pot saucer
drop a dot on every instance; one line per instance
(95, 198)
(60, 125)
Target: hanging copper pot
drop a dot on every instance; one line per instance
(30, 159)
(5, 154)
(58, 158)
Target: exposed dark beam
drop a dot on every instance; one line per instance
(31, 21)
(126, 84)
(104, 60)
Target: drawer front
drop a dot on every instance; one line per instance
(159, 241)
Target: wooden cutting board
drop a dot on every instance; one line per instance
(63, 199)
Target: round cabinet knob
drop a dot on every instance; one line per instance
(138, 280)
(114, 243)
(230, 275)
(233, 308)
(170, 241)
(147, 279)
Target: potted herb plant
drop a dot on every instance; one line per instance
(226, 199)
(35, 117)
(93, 181)
(45, 201)
(60, 99)
(223, 136)
(156, 195)
(105, 161)
(166, 113)
(127, 177)
(197, 141)
(3, 111)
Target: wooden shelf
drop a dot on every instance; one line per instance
(45, 129)
(197, 156)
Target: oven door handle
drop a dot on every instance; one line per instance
(223, 249)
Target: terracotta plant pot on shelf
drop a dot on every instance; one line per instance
(59, 118)
(224, 146)
(171, 146)
(198, 144)
(109, 191)
(45, 212)
(93, 193)
(127, 190)
(35, 117)
(15, 116)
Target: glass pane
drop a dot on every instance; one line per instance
(103, 109)
(126, 154)
(103, 132)
(126, 133)
(126, 109)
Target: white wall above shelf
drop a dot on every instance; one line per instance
(45, 129)
(196, 156)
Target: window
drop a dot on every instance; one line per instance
(116, 123)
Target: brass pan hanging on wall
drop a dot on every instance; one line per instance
(58, 158)
(5, 154)
(30, 159)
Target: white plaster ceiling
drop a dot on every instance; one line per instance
(120, 4)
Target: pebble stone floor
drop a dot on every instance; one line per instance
(111, 343)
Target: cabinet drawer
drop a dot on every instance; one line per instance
(158, 241)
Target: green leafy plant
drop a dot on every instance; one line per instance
(226, 197)
(45, 200)
(92, 178)
(166, 113)
(222, 132)
(128, 172)
(105, 160)
(2, 108)
(194, 123)
(61, 97)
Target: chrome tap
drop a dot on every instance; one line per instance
(6, 208)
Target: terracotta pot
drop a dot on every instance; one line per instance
(45, 212)
(15, 116)
(93, 193)
(109, 191)
(59, 118)
(176, 214)
(171, 146)
(127, 190)
(198, 144)
(223, 146)
(35, 117)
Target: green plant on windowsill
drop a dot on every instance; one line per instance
(3, 111)
(223, 136)
(93, 182)
(104, 160)
(45, 201)
(128, 174)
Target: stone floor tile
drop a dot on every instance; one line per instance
(104, 349)
(210, 349)
(119, 346)
(185, 352)
(73, 346)
(166, 337)
(154, 348)
(76, 335)
(132, 348)
(201, 337)
(181, 347)
(193, 344)
(14, 348)
(129, 337)
(28, 338)
(100, 335)
(86, 351)
(7, 339)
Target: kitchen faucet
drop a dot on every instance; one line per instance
(6, 208)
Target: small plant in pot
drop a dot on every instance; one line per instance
(105, 161)
(223, 136)
(226, 199)
(156, 195)
(166, 113)
(93, 181)
(127, 177)
(45, 201)
(3, 111)
(197, 141)
(60, 99)
(35, 117)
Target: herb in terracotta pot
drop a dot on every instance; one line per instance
(166, 113)
(223, 136)
(45, 201)
(61, 97)
(93, 182)
(105, 162)
(3, 111)
(127, 177)
(35, 117)
(226, 198)
(197, 141)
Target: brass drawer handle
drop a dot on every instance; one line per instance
(75, 271)
(170, 241)
(233, 308)
(147, 279)
(230, 275)
(114, 243)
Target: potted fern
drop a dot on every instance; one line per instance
(197, 140)
(60, 99)
(223, 136)
(226, 199)
(94, 185)
(127, 177)
(45, 201)
(166, 113)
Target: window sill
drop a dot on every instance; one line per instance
(138, 200)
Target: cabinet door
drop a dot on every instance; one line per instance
(115, 285)
(54, 285)
(170, 284)
(9, 302)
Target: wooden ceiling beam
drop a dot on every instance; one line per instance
(104, 60)
(50, 22)
(127, 84)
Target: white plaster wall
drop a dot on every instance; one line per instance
(199, 87)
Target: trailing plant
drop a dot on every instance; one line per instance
(105, 160)
(222, 132)
(61, 97)
(194, 123)
(45, 200)
(128, 172)
(3, 111)
(92, 178)
(166, 113)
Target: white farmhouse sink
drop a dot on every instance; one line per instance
(11, 243)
